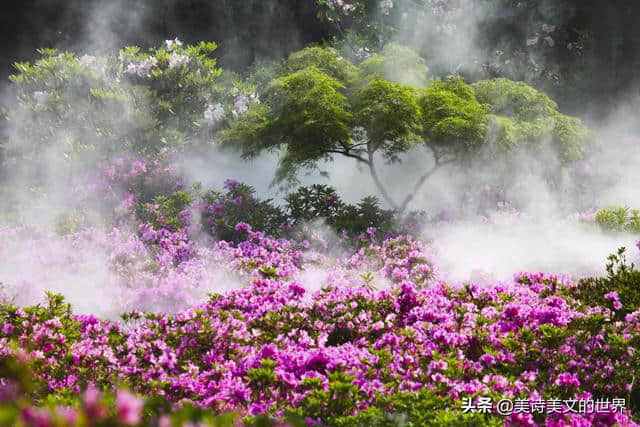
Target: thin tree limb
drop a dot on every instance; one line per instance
(347, 154)
(377, 181)
(421, 182)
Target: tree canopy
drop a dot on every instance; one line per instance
(320, 105)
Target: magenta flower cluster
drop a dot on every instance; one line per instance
(286, 322)
(526, 338)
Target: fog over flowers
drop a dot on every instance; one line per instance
(320, 213)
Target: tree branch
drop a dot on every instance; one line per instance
(347, 154)
(362, 144)
(421, 182)
(377, 181)
(372, 169)
(374, 174)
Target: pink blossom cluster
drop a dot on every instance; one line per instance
(512, 339)
(286, 320)
(343, 6)
(142, 68)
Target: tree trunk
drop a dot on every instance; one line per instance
(417, 187)
(376, 180)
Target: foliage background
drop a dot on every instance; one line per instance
(602, 73)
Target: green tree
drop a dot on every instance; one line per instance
(320, 105)
(137, 101)
(397, 63)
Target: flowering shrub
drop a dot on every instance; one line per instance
(347, 353)
(91, 101)
(171, 212)
(139, 104)
(221, 212)
(129, 188)
(94, 407)
(344, 355)
(177, 80)
(618, 291)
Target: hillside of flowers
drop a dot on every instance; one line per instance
(138, 288)
(319, 329)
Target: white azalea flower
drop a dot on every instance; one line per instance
(176, 60)
(173, 44)
(214, 113)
